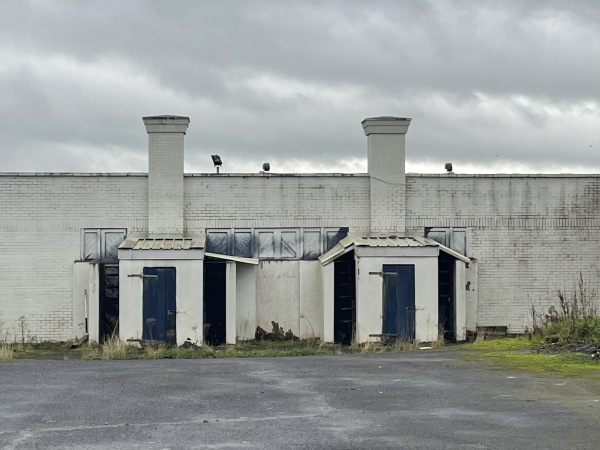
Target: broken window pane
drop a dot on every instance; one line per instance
(266, 244)
(242, 244)
(289, 244)
(312, 244)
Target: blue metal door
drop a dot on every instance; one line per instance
(399, 301)
(159, 307)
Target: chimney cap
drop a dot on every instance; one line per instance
(386, 118)
(385, 125)
(166, 124)
(165, 116)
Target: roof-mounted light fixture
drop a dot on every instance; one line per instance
(217, 161)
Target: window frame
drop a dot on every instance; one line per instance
(101, 247)
(278, 240)
(450, 236)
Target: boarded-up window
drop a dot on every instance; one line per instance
(217, 242)
(333, 237)
(441, 236)
(273, 243)
(266, 244)
(453, 238)
(242, 244)
(91, 245)
(459, 241)
(102, 244)
(312, 245)
(112, 240)
(289, 244)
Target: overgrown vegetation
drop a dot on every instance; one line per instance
(574, 320)
(6, 350)
(116, 349)
(564, 340)
(6, 347)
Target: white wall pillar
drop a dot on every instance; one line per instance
(386, 161)
(165, 174)
(80, 293)
(328, 302)
(246, 301)
(94, 302)
(460, 299)
(472, 302)
(230, 303)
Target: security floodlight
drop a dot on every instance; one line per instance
(266, 167)
(448, 167)
(217, 161)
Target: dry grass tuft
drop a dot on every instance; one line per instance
(156, 352)
(6, 350)
(114, 348)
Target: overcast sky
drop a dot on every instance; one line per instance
(491, 86)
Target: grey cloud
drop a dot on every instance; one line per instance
(436, 61)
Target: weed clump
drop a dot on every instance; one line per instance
(573, 320)
(6, 350)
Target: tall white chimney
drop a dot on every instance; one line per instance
(165, 174)
(386, 155)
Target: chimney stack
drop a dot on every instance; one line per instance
(165, 174)
(386, 155)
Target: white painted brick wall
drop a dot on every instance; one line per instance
(530, 235)
(386, 165)
(41, 218)
(251, 201)
(165, 182)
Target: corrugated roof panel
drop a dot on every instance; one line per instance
(162, 244)
(381, 241)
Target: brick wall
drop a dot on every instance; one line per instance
(530, 235)
(165, 183)
(254, 201)
(41, 218)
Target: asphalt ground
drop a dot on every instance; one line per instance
(420, 400)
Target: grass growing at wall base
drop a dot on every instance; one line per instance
(521, 353)
(40, 350)
(119, 350)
